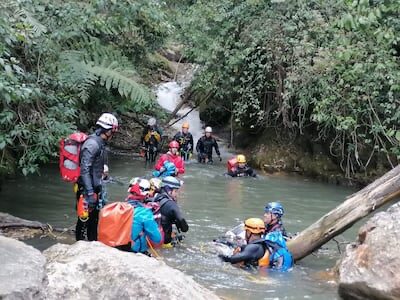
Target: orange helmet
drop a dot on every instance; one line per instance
(185, 125)
(254, 225)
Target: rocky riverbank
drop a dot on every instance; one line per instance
(89, 270)
(369, 269)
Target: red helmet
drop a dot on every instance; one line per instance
(174, 144)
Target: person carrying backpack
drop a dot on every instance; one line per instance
(92, 159)
(144, 227)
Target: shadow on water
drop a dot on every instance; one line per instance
(212, 204)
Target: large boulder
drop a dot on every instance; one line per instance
(91, 270)
(370, 267)
(22, 272)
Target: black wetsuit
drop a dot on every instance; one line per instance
(204, 148)
(93, 156)
(185, 141)
(241, 172)
(249, 254)
(170, 214)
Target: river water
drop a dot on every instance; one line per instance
(212, 205)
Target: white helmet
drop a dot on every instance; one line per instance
(108, 121)
(208, 129)
(152, 121)
(144, 185)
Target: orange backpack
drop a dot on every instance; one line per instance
(115, 224)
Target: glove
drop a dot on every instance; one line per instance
(91, 201)
(224, 258)
(219, 156)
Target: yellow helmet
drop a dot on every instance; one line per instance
(185, 125)
(254, 225)
(241, 158)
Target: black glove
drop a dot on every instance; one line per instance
(91, 201)
(224, 258)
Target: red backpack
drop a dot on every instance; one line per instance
(115, 224)
(70, 149)
(231, 164)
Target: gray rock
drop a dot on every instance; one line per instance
(370, 268)
(91, 270)
(22, 273)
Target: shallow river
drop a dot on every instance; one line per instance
(212, 204)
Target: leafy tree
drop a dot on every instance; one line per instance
(62, 59)
(326, 68)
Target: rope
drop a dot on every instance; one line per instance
(152, 250)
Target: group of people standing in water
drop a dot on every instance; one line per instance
(146, 217)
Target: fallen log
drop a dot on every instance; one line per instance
(9, 223)
(356, 207)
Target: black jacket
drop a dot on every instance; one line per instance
(170, 214)
(93, 156)
(206, 144)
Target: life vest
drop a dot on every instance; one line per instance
(231, 164)
(115, 224)
(152, 136)
(265, 260)
(70, 149)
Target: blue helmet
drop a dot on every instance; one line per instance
(276, 208)
(171, 182)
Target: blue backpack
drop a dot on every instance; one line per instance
(169, 170)
(279, 251)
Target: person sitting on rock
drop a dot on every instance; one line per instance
(144, 227)
(273, 213)
(170, 211)
(205, 145)
(172, 156)
(269, 251)
(238, 167)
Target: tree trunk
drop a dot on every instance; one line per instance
(357, 206)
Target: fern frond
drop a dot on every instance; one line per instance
(83, 72)
(37, 27)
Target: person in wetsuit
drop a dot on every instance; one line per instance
(269, 251)
(241, 168)
(185, 140)
(204, 147)
(273, 213)
(169, 209)
(93, 158)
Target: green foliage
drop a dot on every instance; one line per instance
(61, 60)
(326, 68)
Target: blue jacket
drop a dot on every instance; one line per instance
(143, 226)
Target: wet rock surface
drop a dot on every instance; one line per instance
(22, 273)
(91, 270)
(370, 267)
